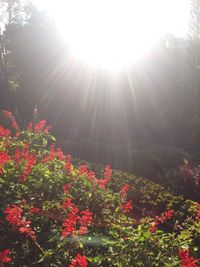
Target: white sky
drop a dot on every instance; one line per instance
(172, 15)
(113, 33)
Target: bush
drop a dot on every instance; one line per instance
(55, 214)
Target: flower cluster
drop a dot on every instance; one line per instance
(160, 220)
(9, 116)
(124, 190)
(35, 210)
(83, 169)
(186, 259)
(79, 261)
(24, 156)
(4, 132)
(4, 256)
(127, 206)
(53, 155)
(40, 126)
(75, 217)
(68, 164)
(4, 158)
(14, 217)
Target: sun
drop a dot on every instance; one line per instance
(109, 33)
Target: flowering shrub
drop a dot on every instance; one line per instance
(53, 213)
(186, 260)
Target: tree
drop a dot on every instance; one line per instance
(13, 13)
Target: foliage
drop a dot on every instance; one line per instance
(57, 214)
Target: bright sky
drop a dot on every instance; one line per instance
(173, 15)
(109, 33)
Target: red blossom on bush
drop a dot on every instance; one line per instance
(167, 215)
(69, 225)
(127, 206)
(35, 210)
(91, 175)
(4, 158)
(108, 173)
(30, 126)
(9, 116)
(26, 230)
(79, 261)
(4, 256)
(23, 156)
(4, 132)
(124, 190)
(186, 259)
(66, 187)
(14, 217)
(14, 124)
(53, 155)
(75, 219)
(86, 218)
(67, 204)
(68, 163)
(153, 228)
(82, 169)
(40, 126)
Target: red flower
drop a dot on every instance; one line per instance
(86, 218)
(75, 219)
(7, 114)
(4, 158)
(14, 124)
(40, 126)
(153, 227)
(4, 256)
(79, 261)
(160, 220)
(127, 206)
(69, 225)
(83, 230)
(186, 260)
(68, 166)
(108, 173)
(35, 210)
(28, 160)
(67, 204)
(26, 230)
(14, 217)
(4, 132)
(46, 129)
(124, 190)
(83, 169)
(91, 175)
(30, 126)
(53, 155)
(66, 187)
